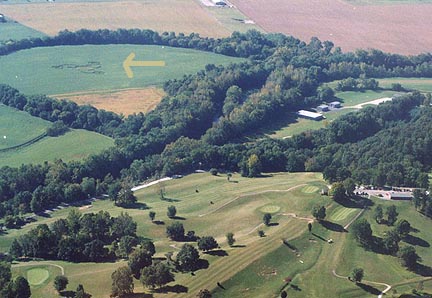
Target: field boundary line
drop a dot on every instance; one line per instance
(25, 144)
(250, 194)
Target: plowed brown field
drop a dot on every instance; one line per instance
(403, 28)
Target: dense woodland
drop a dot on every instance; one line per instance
(201, 122)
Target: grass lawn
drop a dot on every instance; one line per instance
(66, 69)
(420, 84)
(352, 98)
(12, 30)
(74, 145)
(19, 127)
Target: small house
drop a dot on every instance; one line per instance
(322, 108)
(335, 105)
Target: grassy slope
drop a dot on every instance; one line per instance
(15, 31)
(42, 77)
(243, 217)
(420, 84)
(352, 98)
(74, 145)
(19, 127)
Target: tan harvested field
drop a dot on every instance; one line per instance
(161, 15)
(402, 28)
(124, 102)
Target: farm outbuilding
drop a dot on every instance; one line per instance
(310, 115)
(334, 104)
(322, 108)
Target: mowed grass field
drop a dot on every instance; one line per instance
(124, 102)
(67, 69)
(187, 16)
(420, 84)
(17, 127)
(348, 25)
(12, 30)
(237, 207)
(352, 98)
(74, 145)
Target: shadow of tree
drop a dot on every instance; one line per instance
(218, 252)
(413, 240)
(178, 218)
(172, 289)
(159, 222)
(139, 295)
(332, 226)
(137, 205)
(368, 288)
(423, 270)
(319, 237)
(238, 246)
(171, 200)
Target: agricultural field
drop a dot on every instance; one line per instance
(67, 69)
(12, 30)
(17, 127)
(307, 259)
(351, 99)
(185, 16)
(124, 102)
(74, 145)
(348, 25)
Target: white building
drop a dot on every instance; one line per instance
(310, 115)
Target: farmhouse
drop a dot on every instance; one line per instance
(335, 104)
(310, 115)
(322, 108)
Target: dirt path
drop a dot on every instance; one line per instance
(250, 194)
(388, 287)
(150, 183)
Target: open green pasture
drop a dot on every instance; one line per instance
(66, 69)
(420, 84)
(74, 145)
(17, 127)
(12, 30)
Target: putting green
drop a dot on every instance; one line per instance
(342, 213)
(270, 209)
(310, 189)
(37, 276)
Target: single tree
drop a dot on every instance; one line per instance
(403, 228)
(60, 283)
(175, 231)
(171, 211)
(187, 258)
(230, 239)
(125, 196)
(204, 294)
(319, 212)
(21, 288)
(267, 218)
(392, 214)
(126, 245)
(229, 175)
(357, 275)
(156, 275)
(338, 191)
(349, 186)
(261, 233)
(152, 215)
(80, 293)
(310, 227)
(148, 246)
(122, 282)
(207, 243)
(139, 259)
(213, 171)
(378, 214)
(391, 242)
(362, 232)
(284, 294)
(409, 257)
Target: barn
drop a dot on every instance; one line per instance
(310, 115)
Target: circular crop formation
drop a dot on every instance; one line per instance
(270, 209)
(37, 276)
(310, 189)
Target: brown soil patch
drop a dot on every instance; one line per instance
(161, 15)
(403, 28)
(124, 102)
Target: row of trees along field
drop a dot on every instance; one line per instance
(201, 121)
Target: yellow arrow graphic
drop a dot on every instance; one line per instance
(129, 62)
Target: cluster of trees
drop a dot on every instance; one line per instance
(202, 119)
(422, 202)
(18, 288)
(79, 238)
(351, 84)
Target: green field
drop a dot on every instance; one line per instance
(420, 84)
(352, 98)
(15, 31)
(65, 69)
(74, 145)
(255, 266)
(19, 127)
